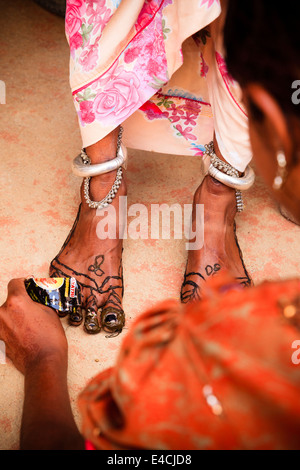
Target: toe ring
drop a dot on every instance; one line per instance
(91, 323)
(112, 320)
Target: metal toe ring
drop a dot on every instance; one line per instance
(76, 317)
(112, 320)
(91, 323)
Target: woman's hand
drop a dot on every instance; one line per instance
(31, 332)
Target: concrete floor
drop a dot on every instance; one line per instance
(39, 138)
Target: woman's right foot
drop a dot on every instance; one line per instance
(95, 263)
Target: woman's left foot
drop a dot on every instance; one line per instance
(221, 250)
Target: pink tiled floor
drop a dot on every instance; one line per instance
(39, 197)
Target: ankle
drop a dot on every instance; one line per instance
(213, 192)
(100, 186)
(219, 201)
(103, 181)
(104, 150)
(219, 154)
(219, 189)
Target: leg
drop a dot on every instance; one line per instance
(221, 250)
(96, 264)
(231, 142)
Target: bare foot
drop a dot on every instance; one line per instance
(95, 263)
(221, 250)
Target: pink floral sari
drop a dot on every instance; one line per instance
(156, 67)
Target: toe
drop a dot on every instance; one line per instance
(91, 322)
(112, 320)
(76, 317)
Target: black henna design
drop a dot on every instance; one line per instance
(112, 315)
(193, 289)
(110, 284)
(245, 281)
(96, 267)
(190, 289)
(105, 287)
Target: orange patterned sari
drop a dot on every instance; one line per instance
(223, 373)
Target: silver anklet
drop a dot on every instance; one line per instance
(108, 198)
(82, 167)
(229, 176)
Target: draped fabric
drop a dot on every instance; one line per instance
(222, 373)
(217, 374)
(157, 67)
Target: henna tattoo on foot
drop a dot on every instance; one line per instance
(95, 283)
(190, 289)
(96, 267)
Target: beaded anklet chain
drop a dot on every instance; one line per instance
(112, 193)
(228, 170)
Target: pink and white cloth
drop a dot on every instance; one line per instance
(157, 67)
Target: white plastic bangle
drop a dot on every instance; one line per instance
(241, 184)
(82, 164)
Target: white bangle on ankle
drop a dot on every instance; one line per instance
(239, 183)
(82, 167)
(82, 164)
(229, 176)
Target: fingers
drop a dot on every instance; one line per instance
(16, 287)
(19, 300)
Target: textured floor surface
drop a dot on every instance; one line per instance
(39, 138)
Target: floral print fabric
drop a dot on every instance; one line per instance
(135, 63)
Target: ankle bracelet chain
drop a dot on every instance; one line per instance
(220, 164)
(112, 193)
(108, 198)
